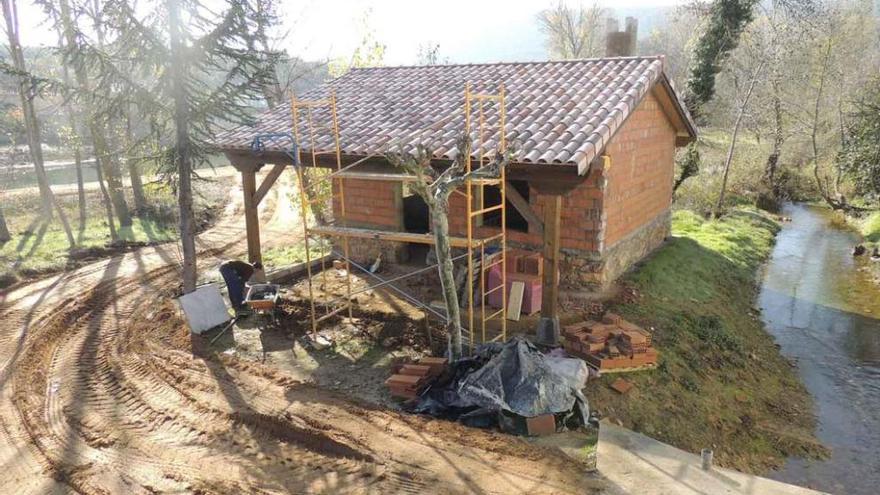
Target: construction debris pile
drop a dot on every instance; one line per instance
(410, 379)
(611, 345)
(511, 385)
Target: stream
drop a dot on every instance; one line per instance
(821, 306)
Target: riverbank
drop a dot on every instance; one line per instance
(721, 382)
(819, 303)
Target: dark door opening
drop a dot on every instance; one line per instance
(492, 197)
(416, 219)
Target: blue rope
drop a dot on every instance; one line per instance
(283, 140)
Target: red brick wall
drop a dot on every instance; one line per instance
(639, 181)
(580, 218)
(637, 188)
(370, 203)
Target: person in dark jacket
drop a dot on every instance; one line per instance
(236, 273)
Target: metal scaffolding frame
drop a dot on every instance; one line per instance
(482, 252)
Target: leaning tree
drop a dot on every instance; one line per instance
(435, 187)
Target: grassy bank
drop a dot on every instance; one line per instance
(870, 228)
(721, 382)
(39, 247)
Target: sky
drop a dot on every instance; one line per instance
(491, 30)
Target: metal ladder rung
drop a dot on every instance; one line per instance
(492, 239)
(490, 291)
(487, 210)
(486, 182)
(493, 315)
(490, 265)
(332, 313)
(311, 103)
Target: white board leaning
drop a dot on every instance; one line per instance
(204, 308)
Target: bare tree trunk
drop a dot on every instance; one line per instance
(840, 201)
(77, 149)
(104, 153)
(32, 126)
(730, 150)
(446, 270)
(134, 173)
(99, 144)
(435, 191)
(182, 147)
(778, 132)
(4, 230)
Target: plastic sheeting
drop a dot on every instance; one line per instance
(514, 377)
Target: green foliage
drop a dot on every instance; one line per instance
(717, 364)
(860, 154)
(688, 165)
(870, 227)
(369, 53)
(727, 20)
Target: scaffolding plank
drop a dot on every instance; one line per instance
(378, 176)
(384, 235)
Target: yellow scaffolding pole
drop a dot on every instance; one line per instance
(474, 102)
(336, 193)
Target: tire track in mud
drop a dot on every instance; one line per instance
(103, 390)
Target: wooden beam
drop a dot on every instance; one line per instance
(385, 235)
(550, 279)
(251, 215)
(268, 182)
(524, 208)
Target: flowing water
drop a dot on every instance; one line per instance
(820, 304)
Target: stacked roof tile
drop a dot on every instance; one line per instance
(557, 112)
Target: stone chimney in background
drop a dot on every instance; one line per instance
(621, 43)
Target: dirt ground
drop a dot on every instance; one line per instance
(103, 390)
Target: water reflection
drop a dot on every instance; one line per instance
(822, 309)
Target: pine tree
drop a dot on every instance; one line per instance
(209, 68)
(27, 92)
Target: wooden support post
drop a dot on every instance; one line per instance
(251, 215)
(522, 206)
(548, 329)
(268, 182)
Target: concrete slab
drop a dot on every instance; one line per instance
(634, 463)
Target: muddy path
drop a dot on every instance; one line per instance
(103, 390)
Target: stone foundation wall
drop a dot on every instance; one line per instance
(365, 251)
(590, 271)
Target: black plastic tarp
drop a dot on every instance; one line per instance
(514, 377)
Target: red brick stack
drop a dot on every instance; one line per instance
(610, 345)
(410, 379)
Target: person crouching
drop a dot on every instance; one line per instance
(236, 274)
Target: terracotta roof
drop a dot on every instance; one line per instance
(557, 112)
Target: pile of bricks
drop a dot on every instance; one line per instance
(613, 344)
(410, 379)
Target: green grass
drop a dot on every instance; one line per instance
(40, 248)
(870, 227)
(279, 256)
(721, 381)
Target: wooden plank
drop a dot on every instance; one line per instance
(550, 279)
(378, 176)
(251, 216)
(384, 235)
(270, 179)
(524, 208)
(515, 300)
